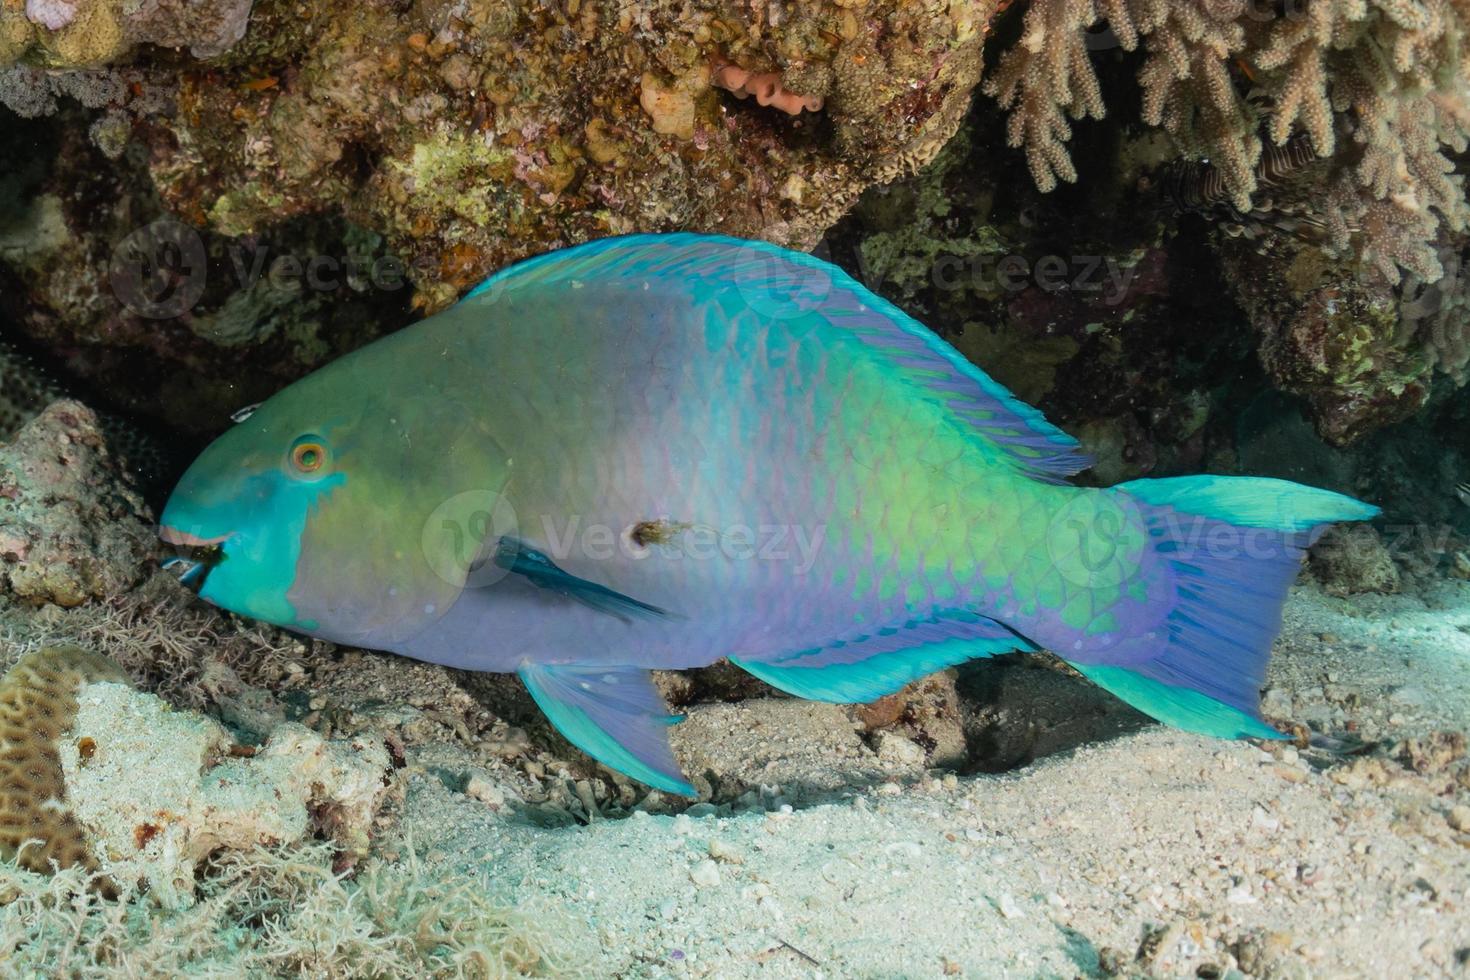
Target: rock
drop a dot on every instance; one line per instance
(474, 134)
(705, 874)
(897, 750)
(156, 791)
(1363, 352)
(71, 527)
(923, 716)
(1352, 560)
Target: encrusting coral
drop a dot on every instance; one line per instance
(1381, 87)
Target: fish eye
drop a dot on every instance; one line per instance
(309, 456)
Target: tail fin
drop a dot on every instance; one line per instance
(1235, 545)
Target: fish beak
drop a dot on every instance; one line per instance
(196, 555)
(183, 539)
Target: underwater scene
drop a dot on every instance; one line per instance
(734, 488)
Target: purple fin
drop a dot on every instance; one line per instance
(1232, 547)
(614, 714)
(783, 284)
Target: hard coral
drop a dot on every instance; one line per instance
(85, 33)
(1389, 74)
(38, 704)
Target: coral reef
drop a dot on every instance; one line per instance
(157, 790)
(38, 703)
(87, 33)
(1363, 352)
(71, 527)
(474, 135)
(81, 238)
(1381, 89)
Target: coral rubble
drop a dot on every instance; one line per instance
(157, 790)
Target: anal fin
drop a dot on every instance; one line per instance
(869, 667)
(614, 714)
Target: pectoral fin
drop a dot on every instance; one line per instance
(536, 567)
(614, 714)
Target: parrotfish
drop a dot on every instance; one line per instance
(657, 451)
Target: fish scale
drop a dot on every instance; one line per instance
(578, 472)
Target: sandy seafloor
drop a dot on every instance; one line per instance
(1153, 852)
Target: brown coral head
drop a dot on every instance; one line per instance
(767, 89)
(38, 703)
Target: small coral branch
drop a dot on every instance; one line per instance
(767, 89)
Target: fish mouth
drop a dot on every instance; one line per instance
(183, 539)
(195, 555)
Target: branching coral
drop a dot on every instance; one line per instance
(1220, 74)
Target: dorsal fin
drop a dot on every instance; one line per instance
(781, 283)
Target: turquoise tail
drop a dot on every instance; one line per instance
(1235, 545)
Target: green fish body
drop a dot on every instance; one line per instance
(660, 451)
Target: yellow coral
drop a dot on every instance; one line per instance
(37, 706)
(94, 37)
(16, 32)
